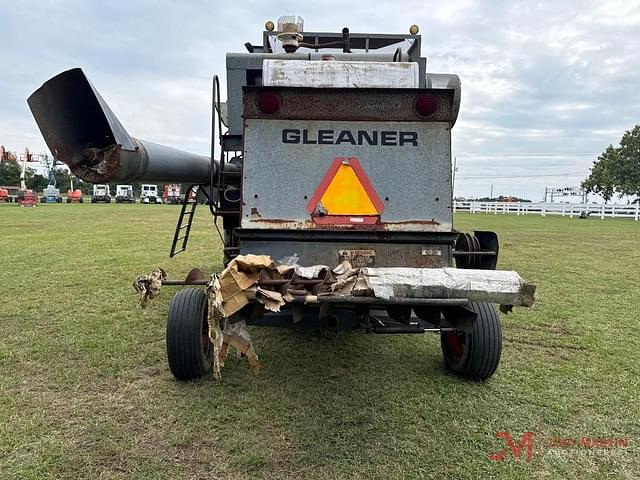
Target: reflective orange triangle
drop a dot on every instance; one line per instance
(345, 190)
(345, 195)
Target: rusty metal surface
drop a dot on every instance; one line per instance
(407, 226)
(329, 253)
(104, 170)
(362, 104)
(349, 236)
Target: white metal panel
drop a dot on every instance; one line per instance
(493, 286)
(413, 179)
(334, 74)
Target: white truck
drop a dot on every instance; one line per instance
(124, 194)
(149, 194)
(101, 193)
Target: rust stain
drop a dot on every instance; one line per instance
(255, 215)
(103, 171)
(409, 225)
(351, 104)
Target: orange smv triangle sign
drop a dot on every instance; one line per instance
(345, 195)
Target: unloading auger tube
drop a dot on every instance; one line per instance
(81, 130)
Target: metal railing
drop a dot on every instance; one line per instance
(562, 209)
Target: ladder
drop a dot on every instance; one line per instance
(183, 227)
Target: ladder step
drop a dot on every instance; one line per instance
(184, 224)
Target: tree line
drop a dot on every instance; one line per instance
(617, 169)
(10, 176)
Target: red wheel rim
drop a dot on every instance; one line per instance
(455, 345)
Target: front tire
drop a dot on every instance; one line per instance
(475, 355)
(189, 350)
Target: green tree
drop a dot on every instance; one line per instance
(62, 179)
(617, 169)
(36, 182)
(9, 174)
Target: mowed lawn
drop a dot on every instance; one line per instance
(85, 391)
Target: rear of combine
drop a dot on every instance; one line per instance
(333, 187)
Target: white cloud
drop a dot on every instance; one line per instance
(538, 77)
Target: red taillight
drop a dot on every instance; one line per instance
(268, 103)
(426, 104)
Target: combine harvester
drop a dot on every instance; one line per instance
(333, 186)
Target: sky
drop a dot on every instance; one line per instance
(546, 86)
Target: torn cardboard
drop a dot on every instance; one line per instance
(241, 274)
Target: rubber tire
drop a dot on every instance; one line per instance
(187, 358)
(482, 347)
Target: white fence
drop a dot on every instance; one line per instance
(562, 209)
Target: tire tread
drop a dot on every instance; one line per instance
(483, 346)
(185, 355)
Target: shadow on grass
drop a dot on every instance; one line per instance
(343, 402)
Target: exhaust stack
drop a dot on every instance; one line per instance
(81, 130)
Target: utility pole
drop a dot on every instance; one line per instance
(491, 196)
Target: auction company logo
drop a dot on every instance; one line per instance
(526, 444)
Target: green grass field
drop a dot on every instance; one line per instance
(85, 391)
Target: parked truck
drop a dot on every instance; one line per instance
(101, 193)
(333, 192)
(149, 194)
(171, 193)
(124, 194)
